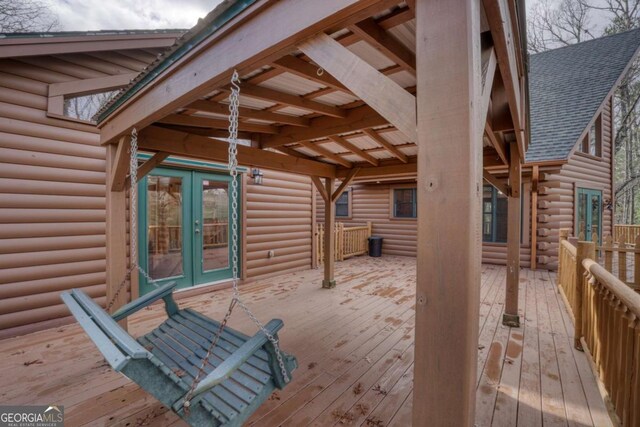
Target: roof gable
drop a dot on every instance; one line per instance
(568, 85)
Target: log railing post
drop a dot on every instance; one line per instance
(584, 250)
(636, 265)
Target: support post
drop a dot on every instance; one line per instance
(583, 250)
(329, 236)
(116, 226)
(534, 217)
(449, 178)
(511, 316)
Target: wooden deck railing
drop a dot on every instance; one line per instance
(626, 232)
(606, 315)
(622, 259)
(349, 241)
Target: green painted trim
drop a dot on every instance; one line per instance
(218, 22)
(176, 161)
(589, 192)
(186, 279)
(191, 210)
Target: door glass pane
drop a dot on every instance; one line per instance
(582, 215)
(164, 231)
(595, 217)
(215, 225)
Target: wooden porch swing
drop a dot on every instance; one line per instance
(204, 371)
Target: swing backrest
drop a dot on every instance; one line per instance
(116, 345)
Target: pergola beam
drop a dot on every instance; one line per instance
(208, 122)
(249, 113)
(381, 93)
(301, 68)
(154, 138)
(271, 95)
(500, 23)
(408, 170)
(322, 127)
(209, 64)
(386, 144)
(369, 31)
(326, 153)
(354, 149)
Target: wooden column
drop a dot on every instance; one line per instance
(116, 224)
(449, 202)
(535, 177)
(329, 236)
(510, 316)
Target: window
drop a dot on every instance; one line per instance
(404, 203)
(494, 215)
(342, 205)
(86, 106)
(592, 142)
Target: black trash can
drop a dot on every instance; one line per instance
(375, 246)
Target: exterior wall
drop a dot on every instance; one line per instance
(556, 200)
(278, 219)
(372, 202)
(53, 198)
(52, 190)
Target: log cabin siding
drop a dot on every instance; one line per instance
(278, 219)
(52, 190)
(372, 202)
(556, 199)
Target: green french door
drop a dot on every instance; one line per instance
(184, 229)
(589, 213)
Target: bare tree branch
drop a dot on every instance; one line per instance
(22, 16)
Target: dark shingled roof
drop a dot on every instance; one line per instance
(567, 85)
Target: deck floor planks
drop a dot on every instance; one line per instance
(372, 309)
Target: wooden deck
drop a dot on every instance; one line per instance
(354, 345)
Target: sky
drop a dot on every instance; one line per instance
(81, 15)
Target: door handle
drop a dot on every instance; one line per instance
(197, 231)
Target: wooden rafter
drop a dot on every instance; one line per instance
(249, 113)
(154, 138)
(299, 67)
(208, 65)
(208, 122)
(213, 133)
(287, 99)
(320, 187)
(151, 164)
(354, 149)
(499, 145)
(369, 31)
(397, 169)
(386, 144)
(381, 93)
(323, 127)
(326, 153)
(345, 182)
(498, 184)
(501, 32)
(120, 166)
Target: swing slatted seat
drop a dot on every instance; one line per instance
(241, 371)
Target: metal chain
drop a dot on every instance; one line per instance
(133, 224)
(234, 104)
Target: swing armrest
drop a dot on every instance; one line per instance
(235, 360)
(163, 292)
